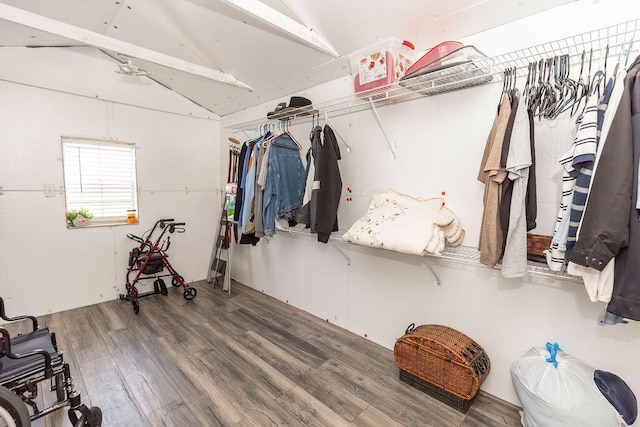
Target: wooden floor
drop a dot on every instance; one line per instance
(248, 360)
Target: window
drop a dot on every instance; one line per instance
(100, 177)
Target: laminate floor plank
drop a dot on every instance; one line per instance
(245, 360)
(335, 397)
(143, 372)
(372, 417)
(493, 411)
(84, 339)
(308, 410)
(396, 403)
(285, 362)
(109, 389)
(313, 355)
(105, 317)
(241, 365)
(257, 405)
(176, 413)
(198, 390)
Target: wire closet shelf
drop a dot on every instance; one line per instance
(616, 42)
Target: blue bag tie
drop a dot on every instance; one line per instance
(553, 350)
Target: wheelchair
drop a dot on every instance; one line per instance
(27, 360)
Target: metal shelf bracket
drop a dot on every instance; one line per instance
(430, 267)
(384, 132)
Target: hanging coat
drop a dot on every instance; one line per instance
(610, 225)
(329, 188)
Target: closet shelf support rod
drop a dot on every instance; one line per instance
(344, 140)
(389, 142)
(430, 267)
(341, 251)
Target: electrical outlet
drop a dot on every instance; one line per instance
(49, 190)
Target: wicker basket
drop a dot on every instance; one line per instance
(442, 362)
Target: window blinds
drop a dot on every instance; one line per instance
(100, 176)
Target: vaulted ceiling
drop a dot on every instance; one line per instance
(227, 55)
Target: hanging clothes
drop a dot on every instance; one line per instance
(491, 236)
(307, 216)
(584, 147)
(599, 284)
(258, 199)
(242, 203)
(514, 261)
(328, 191)
(531, 197)
(610, 226)
(583, 165)
(284, 183)
(506, 189)
(249, 188)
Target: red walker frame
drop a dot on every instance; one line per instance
(149, 259)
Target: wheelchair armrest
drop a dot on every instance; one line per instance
(6, 351)
(3, 315)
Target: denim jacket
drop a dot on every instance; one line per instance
(284, 186)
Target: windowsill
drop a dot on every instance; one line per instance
(95, 224)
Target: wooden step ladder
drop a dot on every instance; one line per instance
(220, 265)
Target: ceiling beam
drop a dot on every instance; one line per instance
(86, 37)
(282, 23)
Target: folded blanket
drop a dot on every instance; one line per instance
(402, 223)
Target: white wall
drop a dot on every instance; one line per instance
(440, 141)
(47, 93)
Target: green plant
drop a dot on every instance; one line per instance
(74, 214)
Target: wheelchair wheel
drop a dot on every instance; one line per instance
(82, 421)
(177, 280)
(135, 304)
(189, 293)
(13, 411)
(61, 395)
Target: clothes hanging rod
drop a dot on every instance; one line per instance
(617, 37)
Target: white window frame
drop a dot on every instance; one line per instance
(84, 183)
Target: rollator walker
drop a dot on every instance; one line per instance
(149, 259)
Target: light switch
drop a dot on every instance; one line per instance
(49, 190)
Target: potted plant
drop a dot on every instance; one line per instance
(79, 218)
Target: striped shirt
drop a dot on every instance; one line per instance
(583, 148)
(584, 166)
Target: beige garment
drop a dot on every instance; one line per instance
(491, 237)
(482, 175)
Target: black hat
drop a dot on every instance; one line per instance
(297, 104)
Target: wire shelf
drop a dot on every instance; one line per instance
(468, 255)
(613, 42)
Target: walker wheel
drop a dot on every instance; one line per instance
(136, 305)
(82, 421)
(189, 293)
(163, 287)
(177, 280)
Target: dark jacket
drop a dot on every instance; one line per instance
(330, 191)
(610, 226)
(307, 214)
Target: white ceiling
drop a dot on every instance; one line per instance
(212, 34)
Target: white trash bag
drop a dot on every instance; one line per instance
(557, 389)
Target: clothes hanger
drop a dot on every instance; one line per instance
(568, 88)
(291, 135)
(581, 89)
